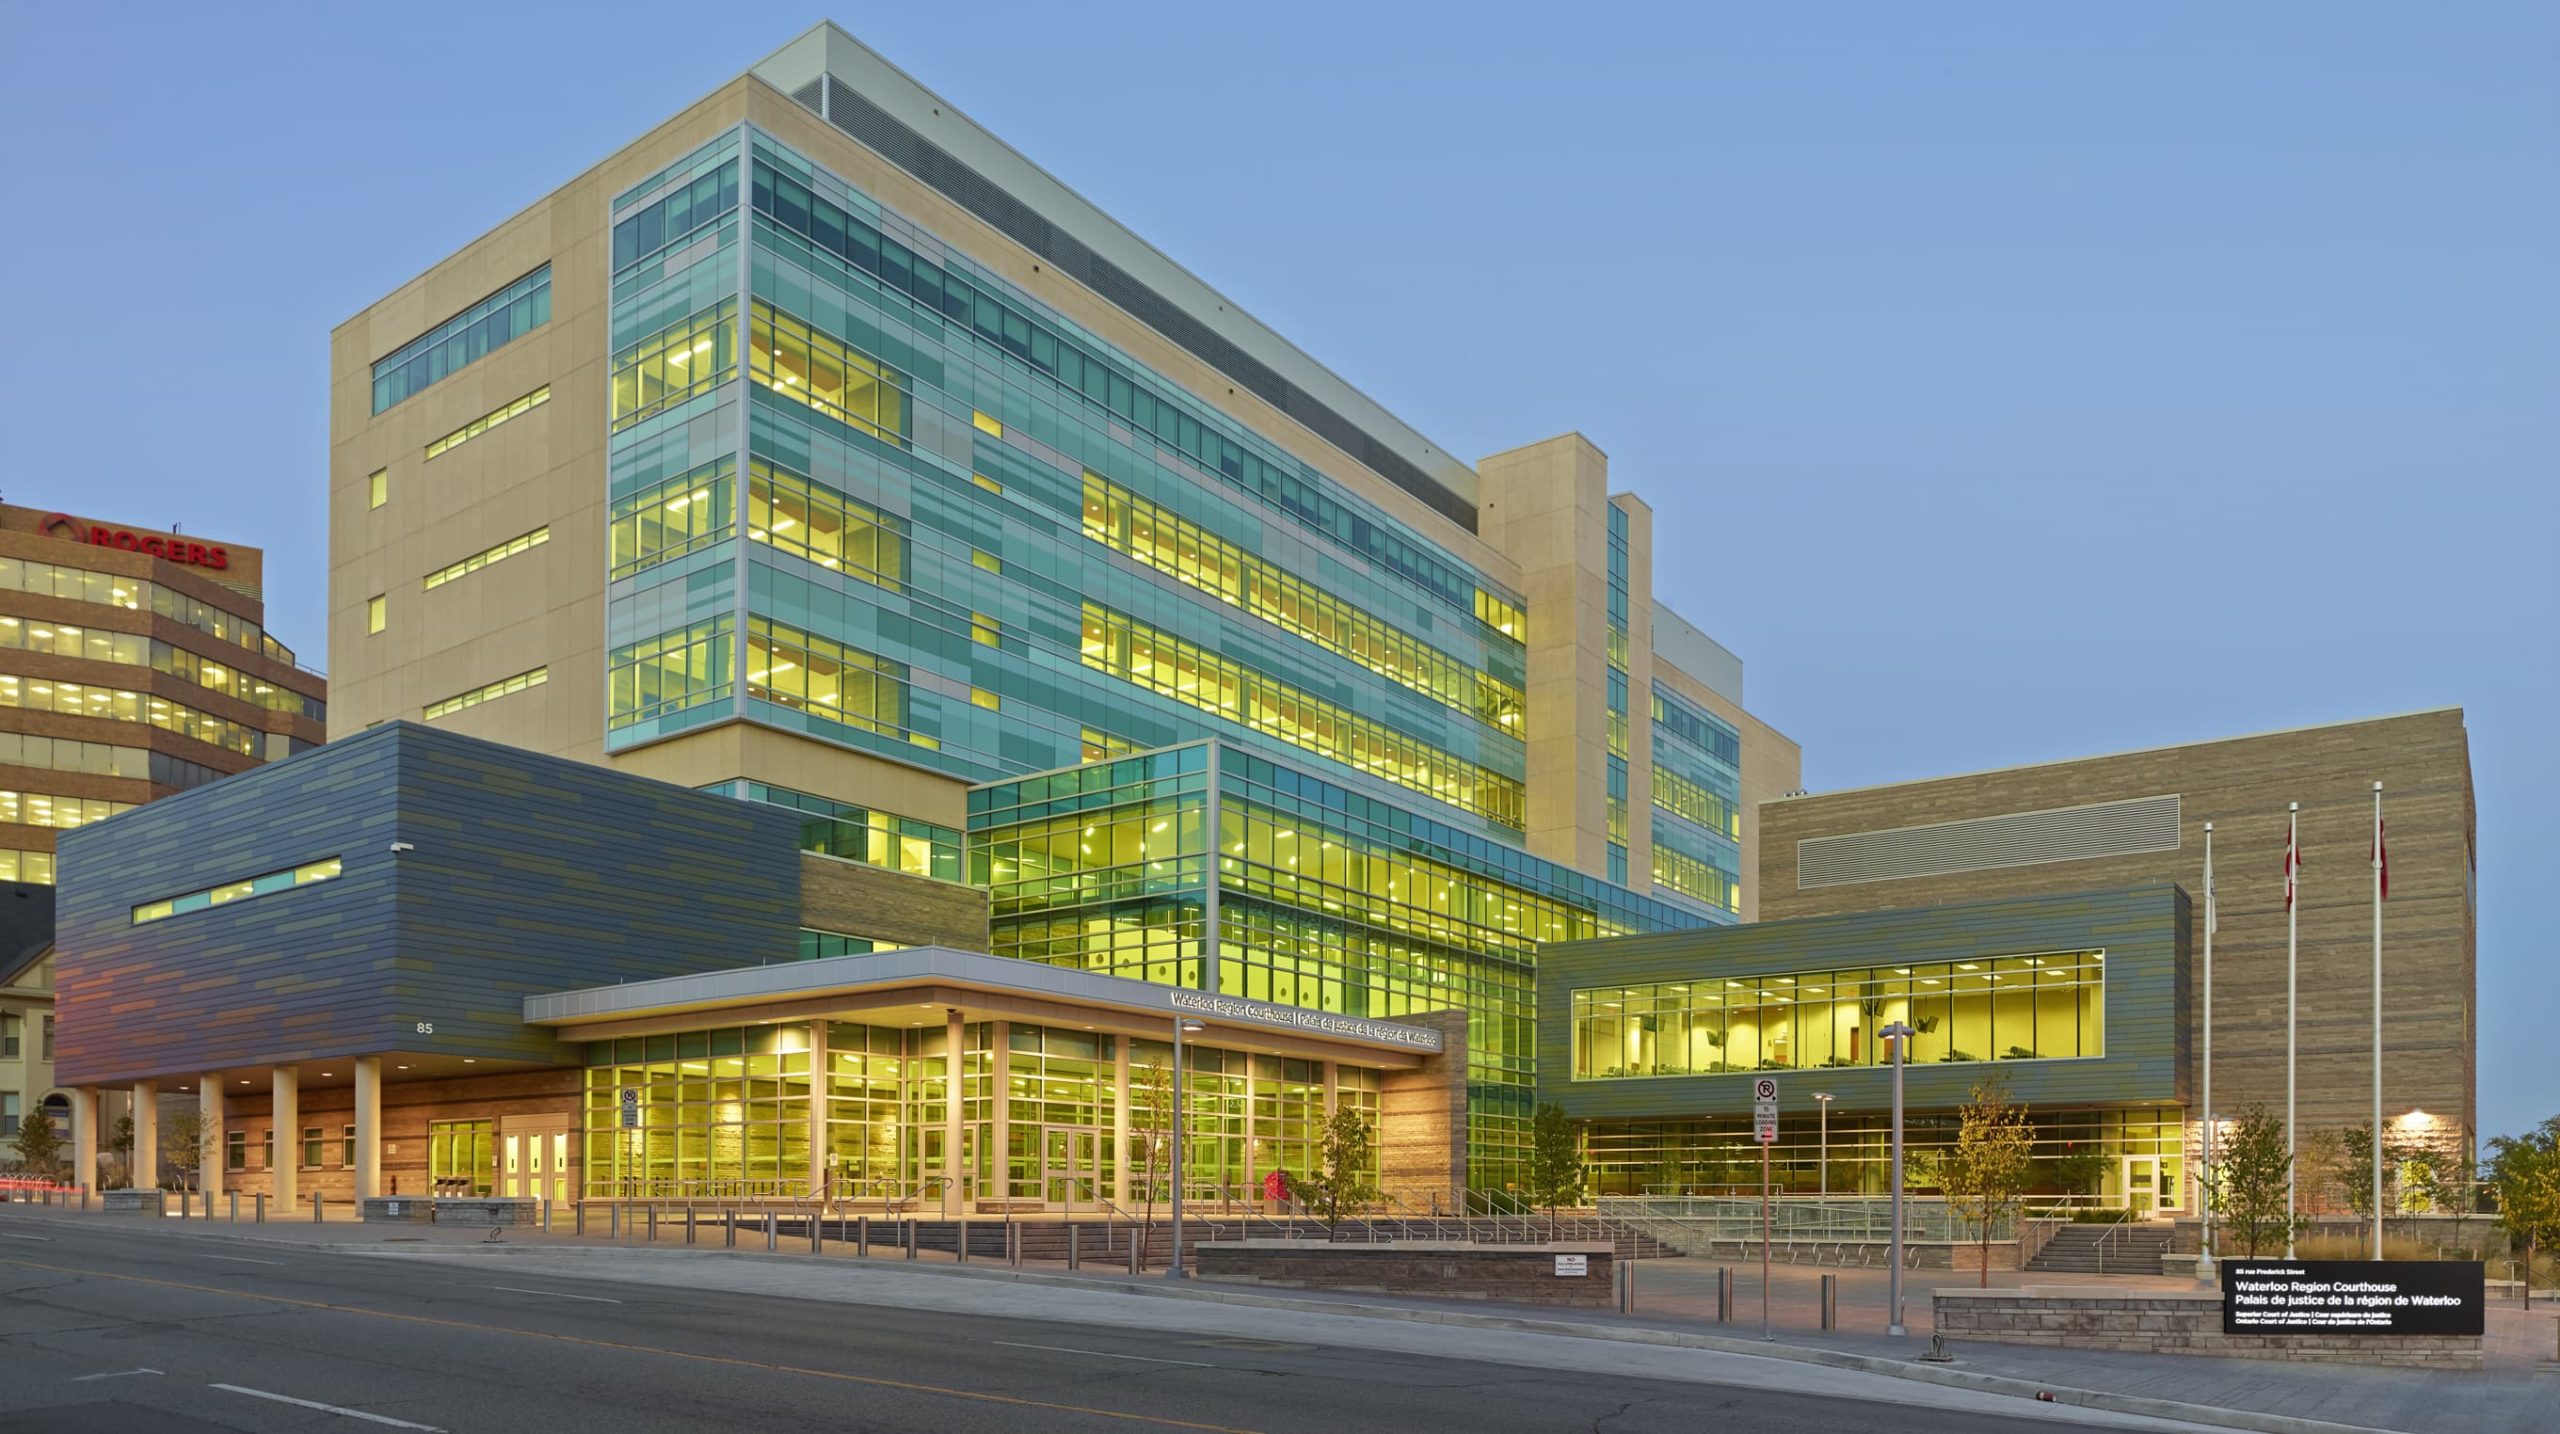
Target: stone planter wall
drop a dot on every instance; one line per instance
(2171, 1323)
(137, 1202)
(481, 1212)
(1521, 1274)
(399, 1210)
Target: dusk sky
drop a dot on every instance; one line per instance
(2011, 382)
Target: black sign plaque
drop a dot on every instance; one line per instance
(2354, 1297)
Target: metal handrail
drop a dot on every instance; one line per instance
(2119, 1225)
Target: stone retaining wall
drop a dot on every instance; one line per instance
(2166, 1322)
(1520, 1274)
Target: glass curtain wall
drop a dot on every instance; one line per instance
(2080, 1156)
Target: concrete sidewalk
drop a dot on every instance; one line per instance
(1675, 1309)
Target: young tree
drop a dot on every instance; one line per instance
(120, 1145)
(186, 1142)
(1555, 1162)
(39, 1147)
(2525, 1172)
(1985, 1176)
(2248, 1192)
(2320, 1171)
(1153, 1130)
(1342, 1186)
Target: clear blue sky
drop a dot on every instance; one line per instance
(2022, 381)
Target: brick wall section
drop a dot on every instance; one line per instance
(858, 900)
(1422, 1119)
(407, 1106)
(1516, 1274)
(2242, 785)
(2173, 1324)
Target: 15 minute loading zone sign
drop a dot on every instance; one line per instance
(1764, 1110)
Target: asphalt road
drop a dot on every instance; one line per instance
(104, 1330)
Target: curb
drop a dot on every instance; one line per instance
(1953, 1378)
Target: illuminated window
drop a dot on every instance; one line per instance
(985, 630)
(983, 481)
(1692, 875)
(673, 518)
(489, 420)
(669, 673)
(986, 424)
(377, 488)
(1681, 797)
(93, 644)
(137, 595)
(1126, 523)
(1135, 652)
(1101, 746)
(1501, 615)
(980, 557)
(377, 613)
(523, 542)
(119, 705)
(503, 687)
(828, 528)
(32, 867)
(983, 698)
(826, 679)
(800, 363)
(36, 809)
(684, 360)
(325, 869)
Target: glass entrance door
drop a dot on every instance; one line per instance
(1069, 1173)
(2142, 1185)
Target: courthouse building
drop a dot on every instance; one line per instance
(2044, 924)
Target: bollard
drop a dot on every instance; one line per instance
(1137, 1242)
(1072, 1262)
(730, 1236)
(1830, 1303)
(769, 1232)
(578, 1218)
(688, 1224)
(653, 1224)
(235, 1207)
(315, 1207)
(862, 1237)
(817, 1235)
(261, 1211)
(186, 1204)
(613, 1221)
(1724, 1294)
(546, 1214)
(911, 1237)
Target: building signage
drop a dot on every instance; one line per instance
(158, 545)
(2354, 1297)
(1573, 1267)
(1764, 1111)
(630, 1108)
(1263, 1013)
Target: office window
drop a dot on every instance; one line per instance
(314, 1144)
(668, 673)
(490, 692)
(985, 630)
(377, 488)
(347, 1146)
(32, 867)
(826, 679)
(40, 809)
(326, 869)
(489, 420)
(522, 542)
(985, 424)
(814, 521)
(377, 613)
(118, 704)
(267, 1148)
(235, 1150)
(809, 366)
(499, 319)
(673, 518)
(684, 360)
(12, 1028)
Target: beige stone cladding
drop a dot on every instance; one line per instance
(2242, 786)
(847, 896)
(1422, 1121)
(1547, 505)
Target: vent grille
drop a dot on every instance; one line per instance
(847, 110)
(2143, 824)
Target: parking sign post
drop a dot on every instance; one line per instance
(1764, 1126)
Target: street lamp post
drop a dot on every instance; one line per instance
(1824, 1188)
(1900, 1035)
(1181, 1027)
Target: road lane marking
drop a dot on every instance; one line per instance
(111, 1374)
(328, 1408)
(555, 1294)
(1104, 1354)
(39, 1239)
(474, 1327)
(241, 1260)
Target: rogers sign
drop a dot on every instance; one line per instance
(176, 550)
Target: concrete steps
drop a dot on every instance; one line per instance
(2126, 1249)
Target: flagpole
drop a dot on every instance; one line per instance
(2377, 1020)
(2204, 1259)
(2292, 870)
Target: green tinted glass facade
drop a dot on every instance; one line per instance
(1323, 897)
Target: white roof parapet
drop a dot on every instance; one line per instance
(920, 965)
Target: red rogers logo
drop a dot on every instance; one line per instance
(176, 550)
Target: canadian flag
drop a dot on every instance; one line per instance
(2292, 857)
(2381, 862)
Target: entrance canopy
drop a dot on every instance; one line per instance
(924, 985)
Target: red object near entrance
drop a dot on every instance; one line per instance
(1275, 1186)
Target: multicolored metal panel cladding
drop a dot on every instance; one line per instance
(518, 873)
